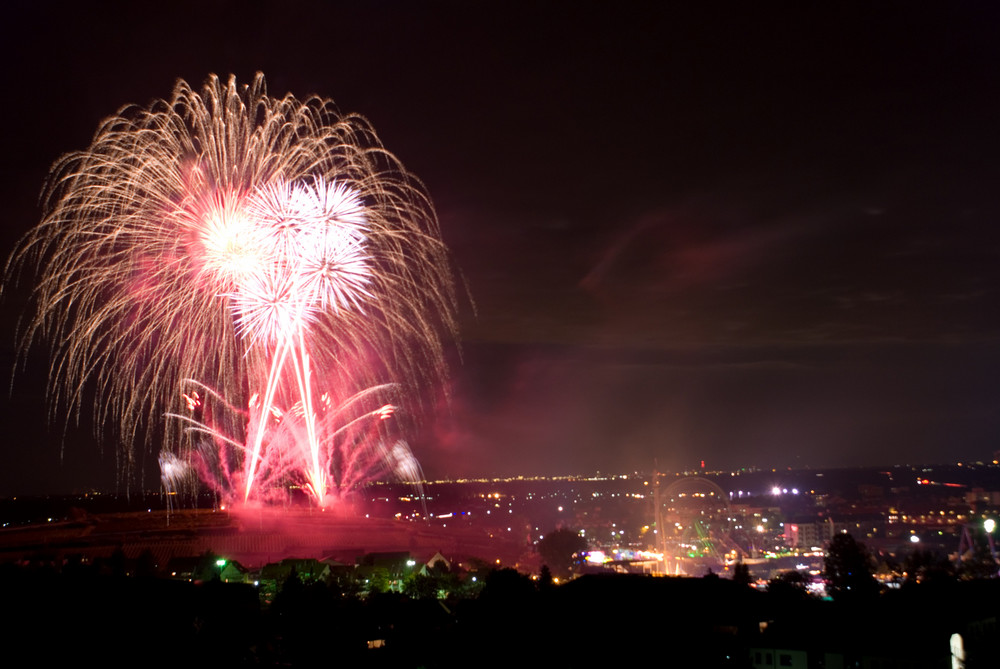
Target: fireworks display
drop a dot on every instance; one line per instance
(256, 281)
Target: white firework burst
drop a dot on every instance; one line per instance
(258, 247)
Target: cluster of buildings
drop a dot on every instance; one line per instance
(683, 523)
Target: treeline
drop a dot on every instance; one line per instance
(93, 615)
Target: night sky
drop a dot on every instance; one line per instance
(756, 234)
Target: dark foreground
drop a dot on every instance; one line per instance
(76, 617)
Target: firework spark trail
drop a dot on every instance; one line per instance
(270, 248)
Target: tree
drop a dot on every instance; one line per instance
(421, 586)
(379, 580)
(978, 563)
(848, 569)
(923, 566)
(788, 587)
(545, 582)
(145, 566)
(344, 582)
(741, 574)
(208, 567)
(561, 550)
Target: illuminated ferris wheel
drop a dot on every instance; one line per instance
(693, 518)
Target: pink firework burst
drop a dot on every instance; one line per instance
(268, 251)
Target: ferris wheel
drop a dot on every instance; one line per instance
(694, 518)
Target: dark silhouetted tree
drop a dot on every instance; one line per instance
(545, 583)
(848, 569)
(561, 550)
(421, 586)
(293, 585)
(145, 566)
(789, 586)
(741, 574)
(977, 564)
(345, 583)
(923, 566)
(208, 568)
(117, 563)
